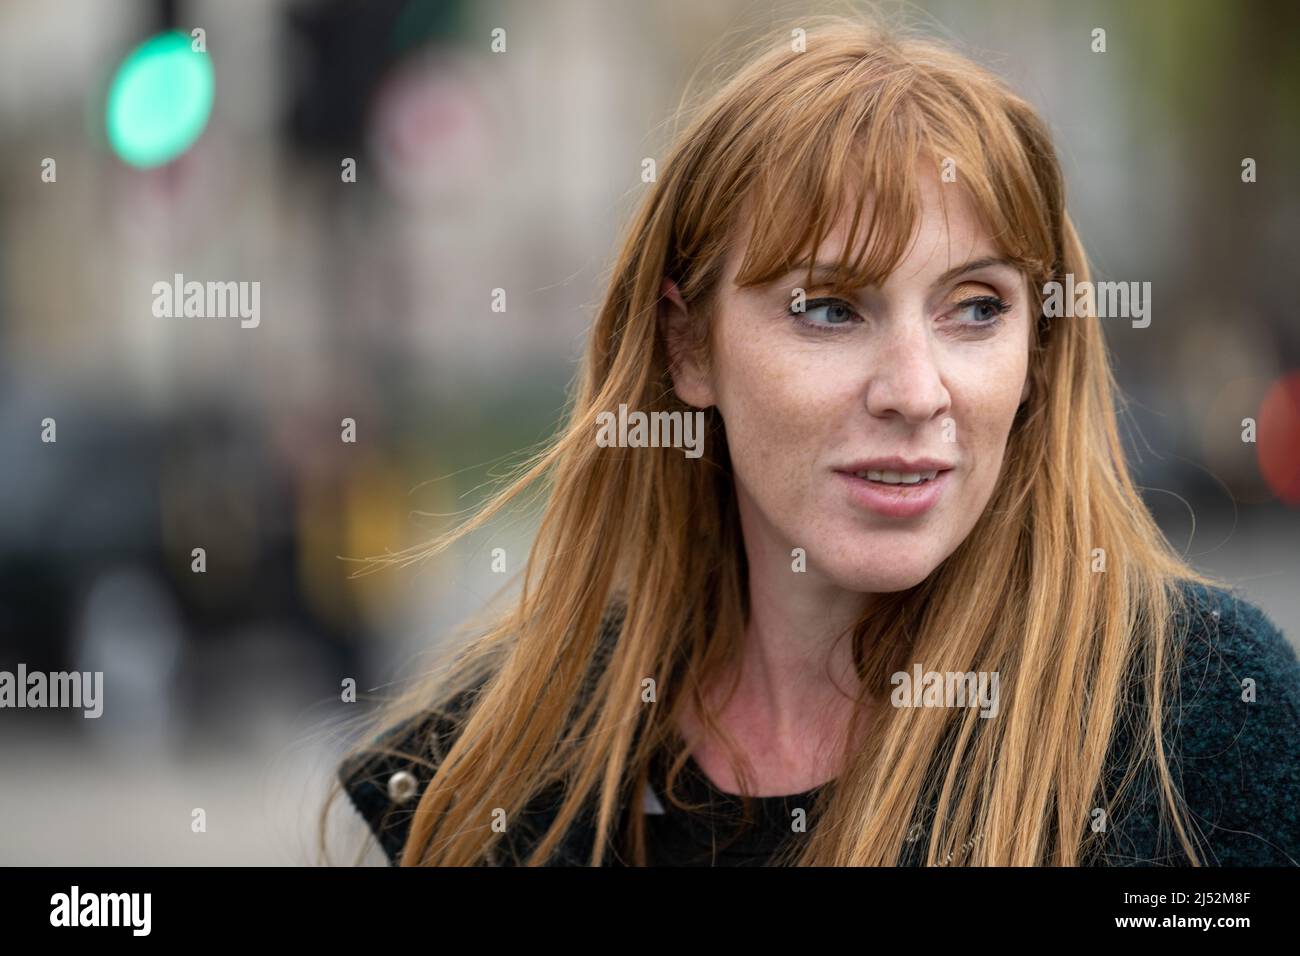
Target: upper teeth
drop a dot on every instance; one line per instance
(898, 477)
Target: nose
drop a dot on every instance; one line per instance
(906, 380)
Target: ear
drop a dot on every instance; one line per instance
(691, 381)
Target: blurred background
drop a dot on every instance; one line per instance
(478, 170)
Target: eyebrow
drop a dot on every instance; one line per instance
(972, 266)
(829, 268)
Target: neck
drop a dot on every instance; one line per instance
(796, 656)
(790, 700)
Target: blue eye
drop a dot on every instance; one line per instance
(825, 313)
(983, 309)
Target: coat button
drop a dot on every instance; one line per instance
(401, 786)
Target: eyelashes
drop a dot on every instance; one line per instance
(843, 312)
(996, 306)
(986, 313)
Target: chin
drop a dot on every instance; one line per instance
(881, 578)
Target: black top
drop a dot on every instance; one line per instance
(717, 833)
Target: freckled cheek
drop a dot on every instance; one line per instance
(985, 406)
(777, 408)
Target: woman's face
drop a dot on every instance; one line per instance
(832, 414)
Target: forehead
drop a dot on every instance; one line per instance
(945, 230)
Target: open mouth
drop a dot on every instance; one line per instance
(897, 477)
(896, 494)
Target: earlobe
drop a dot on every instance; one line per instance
(690, 382)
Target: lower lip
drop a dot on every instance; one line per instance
(895, 501)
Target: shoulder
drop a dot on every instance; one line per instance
(1233, 732)
(385, 779)
(1238, 721)
(1222, 628)
(1239, 681)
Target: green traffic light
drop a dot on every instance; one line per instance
(159, 101)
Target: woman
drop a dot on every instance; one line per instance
(908, 471)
